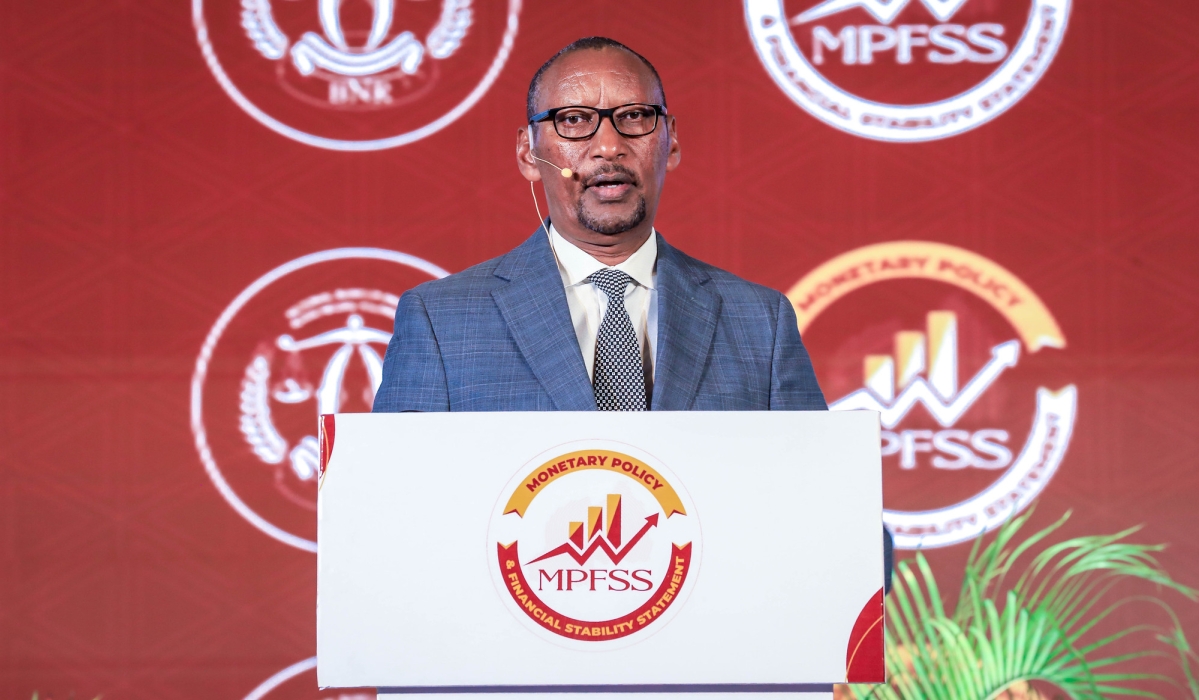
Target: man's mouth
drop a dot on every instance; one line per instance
(609, 186)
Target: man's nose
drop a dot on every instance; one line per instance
(607, 143)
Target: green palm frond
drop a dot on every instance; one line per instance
(1044, 626)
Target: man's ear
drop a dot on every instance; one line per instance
(524, 156)
(676, 153)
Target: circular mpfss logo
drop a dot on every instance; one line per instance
(906, 70)
(594, 544)
(959, 357)
(355, 75)
(304, 339)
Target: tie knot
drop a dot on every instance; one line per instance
(612, 281)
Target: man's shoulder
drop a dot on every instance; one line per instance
(483, 278)
(729, 286)
(475, 281)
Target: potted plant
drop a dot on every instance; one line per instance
(1016, 630)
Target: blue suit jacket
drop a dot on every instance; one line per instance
(498, 337)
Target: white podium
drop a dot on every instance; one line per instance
(623, 554)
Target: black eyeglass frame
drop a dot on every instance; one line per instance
(609, 114)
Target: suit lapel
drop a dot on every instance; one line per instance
(533, 304)
(687, 314)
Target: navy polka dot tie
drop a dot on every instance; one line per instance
(619, 379)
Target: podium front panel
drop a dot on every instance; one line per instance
(600, 551)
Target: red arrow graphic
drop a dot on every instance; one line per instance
(600, 542)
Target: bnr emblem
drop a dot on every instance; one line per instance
(260, 389)
(906, 70)
(592, 547)
(305, 339)
(355, 74)
(949, 352)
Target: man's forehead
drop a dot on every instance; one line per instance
(596, 77)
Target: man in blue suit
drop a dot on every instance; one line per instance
(596, 310)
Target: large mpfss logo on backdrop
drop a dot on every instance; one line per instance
(593, 545)
(355, 74)
(305, 339)
(906, 70)
(957, 356)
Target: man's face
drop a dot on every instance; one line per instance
(618, 179)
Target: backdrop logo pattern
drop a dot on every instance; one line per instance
(299, 680)
(906, 70)
(355, 74)
(305, 339)
(944, 309)
(594, 546)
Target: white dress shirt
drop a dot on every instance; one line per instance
(588, 304)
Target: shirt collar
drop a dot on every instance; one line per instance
(576, 266)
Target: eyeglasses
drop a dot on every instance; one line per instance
(577, 123)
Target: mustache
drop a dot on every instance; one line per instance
(592, 178)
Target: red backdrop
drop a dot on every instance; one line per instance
(138, 201)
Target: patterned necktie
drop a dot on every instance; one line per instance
(619, 379)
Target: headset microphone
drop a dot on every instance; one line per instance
(566, 172)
